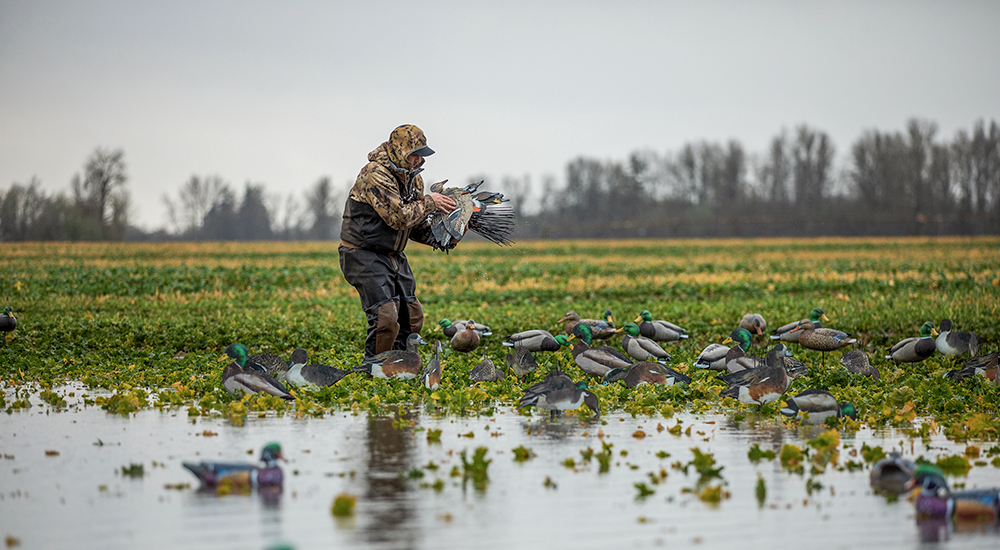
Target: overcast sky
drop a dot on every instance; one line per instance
(286, 92)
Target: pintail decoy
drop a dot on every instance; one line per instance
(312, 375)
(914, 350)
(486, 371)
(596, 360)
(890, 474)
(640, 347)
(761, 385)
(785, 334)
(400, 364)
(431, 377)
(660, 331)
(713, 357)
(242, 476)
(814, 406)
(235, 377)
(600, 329)
(450, 329)
(936, 500)
(985, 365)
(856, 362)
(754, 322)
(949, 342)
(7, 322)
(536, 340)
(466, 340)
(520, 361)
(646, 372)
(557, 393)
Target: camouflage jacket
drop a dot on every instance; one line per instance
(387, 205)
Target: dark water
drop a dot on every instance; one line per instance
(77, 499)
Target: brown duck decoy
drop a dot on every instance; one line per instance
(600, 329)
(646, 372)
(466, 340)
(486, 371)
(759, 386)
(402, 364)
(856, 362)
(949, 342)
(822, 339)
(915, 350)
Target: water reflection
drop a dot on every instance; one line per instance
(392, 518)
(941, 530)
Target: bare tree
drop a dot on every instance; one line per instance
(103, 189)
(321, 204)
(197, 197)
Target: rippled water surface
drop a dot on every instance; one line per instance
(78, 499)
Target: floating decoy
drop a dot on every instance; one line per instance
(646, 372)
(596, 360)
(431, 377)
(235, 377)
(242, 476)
(466, 340)
(450, 329)
(600, 329)
(486, 371)
(753, 322)
(949, 342)
(401, 364)
(985, 365)
(536, 340)
(520, 361)
(785, 334)
(937, 501)
(311, 375)
(660, 331)
(814, 406)
(557, 393)
(761, 385)
(856, 362)
(713, 357)
(890, 474)
(640, 347)
(7, 322)
(914, 350)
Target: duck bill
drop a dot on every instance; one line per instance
(934, 332)
(637, 319)
(824, 318)
(562, 319)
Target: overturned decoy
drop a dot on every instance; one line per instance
(815, 406)
(856, 362)
(401, 364)
(785, 334)
(264, 362)
(486, 371)
(236, 378)
(646, 372)
(242, 476)
(914, 350)
(640, 347)
(949, 342)
(311, 375)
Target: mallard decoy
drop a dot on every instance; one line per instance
(890, 474)
(856, 362)
(937, 501)
(759, 386)
(7, 321)
(466, 340)
(557, 393)
(660, 331)
(754, 322)
(311, 376)
(949, 342)
(486, 371)
(400, 364)
(600, 329)
(737, 360)
(536, 340)
(520, 361)
(596, 360)
(235, 377)
(713, 357)
(450, 329)
(785, 334)
(985, 365)
(814, 406)
(646, 372)
(431, 377)
(640, 347)
(270, 363)
(242, 476)
(914, 350)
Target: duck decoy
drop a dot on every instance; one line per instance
(557, 393)
(312, 375)
(754, 322)
(761, 385)
(520, 361)
(640, 347)
(400, 364)
(936, 500)
(270, 363)
(785, 334)
(856, 362)
(489, 218)
(431, 377)
(596, 360)
(600, 329)
(822, 339)
(466, 340)
(814, 406)
(890, 474)
(914, 350)
(242, 476)
(7, 322)
(660, 331)
(450, 329)
(536, 340)
(985, 365)
(949, 342)
(486, 371)
(713, 357)
(235, 377)
(646, 372)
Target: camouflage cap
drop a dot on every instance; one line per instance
(406, 140)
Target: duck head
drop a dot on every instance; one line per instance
(7, 310)
(562, 339)
(569, 316)
(584, 332)
(644, 316)
(930, 480)
(590, 400)
(804, 325)
(414, 340)
(631, 329)
(847, 409)
(300, 356)
(609, 317)
(927, 330)
(742, 338)
(238, 352)
(271, 454)
(817, 314)
(442, 324)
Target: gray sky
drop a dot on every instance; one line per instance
(285, 92)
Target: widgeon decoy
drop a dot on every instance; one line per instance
(660, 331)
(311, 375)
(640, 347)
(785, 334)
(431, 377)
(949, 342)
(520, 361)
(936, 500)
(466, 340)
(600, 329)
(856, 362)
(400, 364)
(985, 365)
(450, 329)
(596, 360)
(890, 474)
(646, 372)
(759, 386)
(242, 476)
(7, 322)
(235, 377)
(914, 350)
(536, 340)
(713, 357)
(558, 393)
(486, 371)
(754, 322)
(815, 406)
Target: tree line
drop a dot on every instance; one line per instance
(908, 182)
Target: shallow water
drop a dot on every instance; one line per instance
(78, 499)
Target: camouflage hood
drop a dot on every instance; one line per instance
(403, 140)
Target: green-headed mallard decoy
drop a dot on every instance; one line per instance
(640, 347)
(596, 360)
(311, 375)
(754, 322)
(7, 322)
(558, 393)
(486, 371)
(536, 340)
(600, 329)
(785, 334)
(242, 476)
(660, 331)
(270, 363)
(450, 329)
(401, 364)
(937, 501)
(761, 385)
(891, 474)
(949, 342)
(646, 372)
(856, 362)
(985, 365)
(713, 357)
(914, 350)
(235, 377)
(814, 406)
(520, 361)
(431, 377)
(466, 340)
